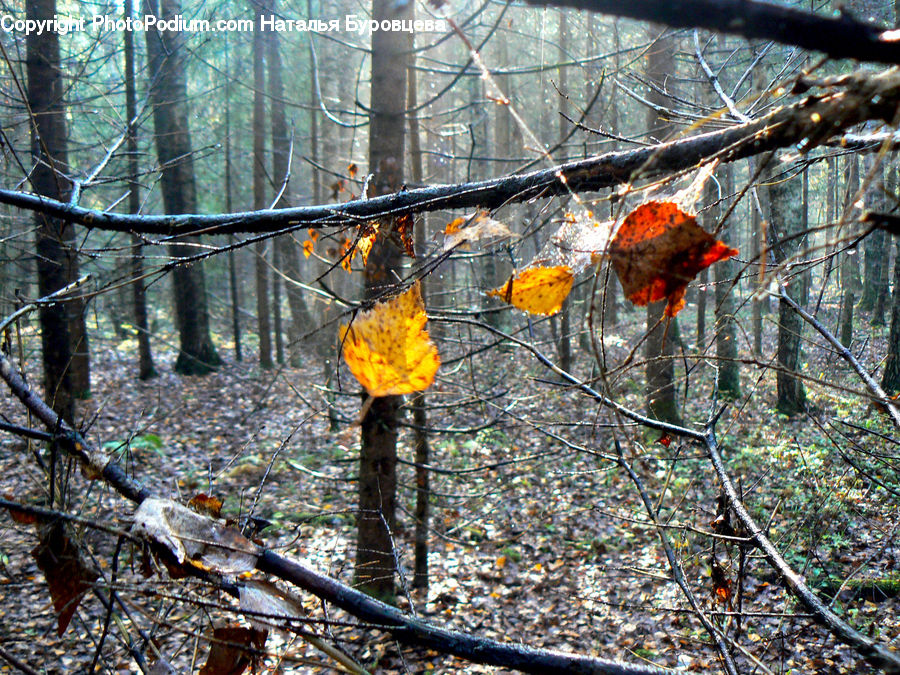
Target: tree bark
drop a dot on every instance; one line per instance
(728, 377)
(54, 238)
(286, 249)
(261, 248)
(375, 567)
(660, 370)
(168, 97)
(146, 369)
(786, 218)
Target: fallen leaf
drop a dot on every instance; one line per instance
(68, 576)
(233, 649)
(658, 250)
(538, 290)
(387, 348)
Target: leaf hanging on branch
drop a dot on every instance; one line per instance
(538, 290)
(67, 575)
(658, 250)
(233, 649)
(387, 348)
(481, 226)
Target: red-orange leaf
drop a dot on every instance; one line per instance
(404, 227)
(206, 505)
(658, 250)
(352, 169)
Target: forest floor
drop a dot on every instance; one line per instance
(536, 538)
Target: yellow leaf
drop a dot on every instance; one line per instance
(387, 348)
(501, 562)
(307, 247)
(538, 290)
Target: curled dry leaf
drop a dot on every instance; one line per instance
(538, 290)
(481, 227)
(658, 250)
(387, 348)
(193, 538)
(64, 568)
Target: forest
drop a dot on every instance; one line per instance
(450, 336)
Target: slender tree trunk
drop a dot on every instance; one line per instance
(261, 248)
(375, 568)
(890, 381)
(564, 344)
(786, 219)
(287, 253)
(168, 96)
(658, 348)
(728, 377)
(849, 259)
(232, 256)
(139, 293)
(421, 445)
(54, 238)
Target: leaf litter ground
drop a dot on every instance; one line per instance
(533, 540)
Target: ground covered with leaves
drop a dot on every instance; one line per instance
(537, 537)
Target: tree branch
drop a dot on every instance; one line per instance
(841, 37)
(815, 119)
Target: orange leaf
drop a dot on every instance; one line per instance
(387, 348)
(336, 188)
(308, 247)
(538, 290)
(352, 169)
(658, 250)
(367, 234)
(313, 234)
(67, 575)
(206, 505)
(404, 227)
(454, 225)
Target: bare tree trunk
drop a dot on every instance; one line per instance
(421, 445)
(139, 293)
(849, 259)
(786, 219)
(375, 568)
(728, 377)
(286, 249)
(564, 343)
(54, 239)
(168, 96)
(232, 258)
(890, 381)
(261, 248)
(660, 370)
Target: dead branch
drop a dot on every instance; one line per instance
(807, 123)
(840, 37)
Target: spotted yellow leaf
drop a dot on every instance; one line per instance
(387, 349)
(538, 290)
